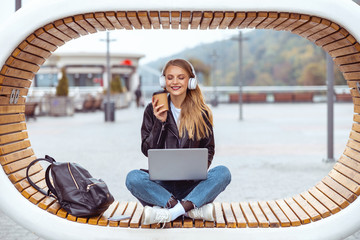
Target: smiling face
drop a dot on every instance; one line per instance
(176, 80)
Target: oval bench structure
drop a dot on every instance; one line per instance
(329, 210)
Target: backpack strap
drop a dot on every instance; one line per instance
(48, 159)
(49, 184)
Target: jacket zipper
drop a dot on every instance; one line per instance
(77, 186)
(90, 185)
(175, 136)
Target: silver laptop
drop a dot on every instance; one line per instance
(178, 164)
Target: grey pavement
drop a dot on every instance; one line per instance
(277, 151)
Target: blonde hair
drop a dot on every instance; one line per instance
(195, 114)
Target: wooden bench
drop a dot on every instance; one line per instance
(335, 192)
(30, 110)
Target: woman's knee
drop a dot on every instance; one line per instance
(223, 173)
(134, 178)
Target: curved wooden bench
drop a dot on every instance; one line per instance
(330, 198)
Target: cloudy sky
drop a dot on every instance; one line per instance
(153, 44)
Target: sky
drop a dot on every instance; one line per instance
(153, 44)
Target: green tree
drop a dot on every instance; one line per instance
(62, 89)
(313, 74)
(116, 85)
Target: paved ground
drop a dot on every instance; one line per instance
(276, 152)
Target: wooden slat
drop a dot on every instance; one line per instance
(18, 165)
(155, 20)
(62, 213)
(17, 63)
(352, 75)
(282, 18)
(312, 22)
(12, 118)
(40, 33)
(299, 212)
(90, 17)
(294, 220)
(260, 16)
(352, 58)
(272, 16)
(196, 19)
(29, 48)
(12, 147)
(14, 72)
(294, 17)
(51, 29)
(34, 40)
(54, 208)
(337, 45)
(119, 211)
(336, 36)
(348, 172)
(72, 24)
(12, 109)
(136, 218)
(332, 28)
(37, 197)
(229, 216)
(250, 16)
(316, 204)
(206, 20)
(350, 162)
(103, 221)
(121, 16)
(12, 157)
(327, 202)
(260, 217)
(188, 222)
(323, 23)
(111, 16)
(273, 221)
(165, 19)
(13, 127)
(239, 216)
(4, 90)
(345, 181)
(23, 184)
(133, 18)
(314, 215)
(199, 223)
(238, 19)
(6, 100)
(355, 136)
(144, 19)
(185, 19)
(80, 20)
(284, 221)
(302, 20)
(71, 218)
(219, 217)
(28, 192)
(12, 137)
(209, 224)
(228, 18)
(354, 48)
(128, 212)
(100, 16)
(356, 118)
(248, 214)
(340, 189)
(46, 203)
(60, 24)
(334, 196)
(218, 17)
(175, 19)
(18, 53)
(350, 67)
(177, 223)
(14, 82)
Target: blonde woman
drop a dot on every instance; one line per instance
(187, 124)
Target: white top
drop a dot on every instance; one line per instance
(176, 113)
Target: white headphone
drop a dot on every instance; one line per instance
(192, 81)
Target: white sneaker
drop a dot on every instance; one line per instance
(205, 212)
(152, 215)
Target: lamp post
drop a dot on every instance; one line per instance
(214, 101)
(17, 5)
(240, 39)
(109, 106)
(330, 108)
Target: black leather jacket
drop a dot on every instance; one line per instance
(155, 135)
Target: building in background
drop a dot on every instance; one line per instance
(87, 75)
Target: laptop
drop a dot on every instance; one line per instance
(178, 164)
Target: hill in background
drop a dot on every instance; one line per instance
(270, 58)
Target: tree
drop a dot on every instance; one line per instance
(313, 74)
(62, 88)
(201, 67)
(116, 85)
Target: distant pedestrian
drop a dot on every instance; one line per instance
(138, 96)
(187, 124)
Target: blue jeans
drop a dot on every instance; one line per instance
(158, 193)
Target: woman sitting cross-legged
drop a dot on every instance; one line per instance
(187, 124)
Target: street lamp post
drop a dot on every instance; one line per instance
(240, 39)
(109, 107)
(17, 4)
(214, 101)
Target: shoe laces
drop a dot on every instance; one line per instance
(197, 212)
(162, 216)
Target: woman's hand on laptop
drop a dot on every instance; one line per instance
(159, 114)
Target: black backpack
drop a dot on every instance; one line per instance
(76, 190)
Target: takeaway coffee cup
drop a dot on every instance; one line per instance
(162, 99)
